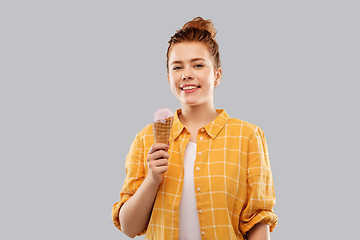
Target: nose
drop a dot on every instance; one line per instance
(186, 74)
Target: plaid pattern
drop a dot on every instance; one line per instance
(232, 177)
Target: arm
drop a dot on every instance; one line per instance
(261, 196)
(259, 232)
(135, 213)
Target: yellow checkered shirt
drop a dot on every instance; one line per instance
(232, 178)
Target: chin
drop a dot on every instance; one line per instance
(192, 103)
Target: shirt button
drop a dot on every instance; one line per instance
(198, 189)
(200, 211)
(199, 153)
(201, 138)
(203, 233)
(202, 130)
(197, 168)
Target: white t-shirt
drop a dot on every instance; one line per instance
(188, 219)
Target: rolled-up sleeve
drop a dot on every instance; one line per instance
(134, 167)
(261, 195)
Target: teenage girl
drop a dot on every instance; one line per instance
(213, 181)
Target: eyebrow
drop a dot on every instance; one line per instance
(192, 60)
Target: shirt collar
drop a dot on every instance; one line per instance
(212, 129)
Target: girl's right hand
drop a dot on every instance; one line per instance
(157, 160)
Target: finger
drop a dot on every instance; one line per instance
(159, 154)
(161, 162)
(163, 169)
(158, 163)
(158, 146)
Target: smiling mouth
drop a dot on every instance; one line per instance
(189, 87)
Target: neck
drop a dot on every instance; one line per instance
(195, 117)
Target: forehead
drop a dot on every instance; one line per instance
(187, 50)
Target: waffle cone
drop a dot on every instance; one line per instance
(162, 130)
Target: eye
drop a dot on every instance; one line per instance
(176, 68)
(199, 65)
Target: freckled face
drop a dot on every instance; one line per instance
(191, 73)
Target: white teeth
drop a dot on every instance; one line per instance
(189, 87)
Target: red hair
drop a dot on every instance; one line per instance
(197, 30)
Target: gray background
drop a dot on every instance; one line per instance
(79, 79)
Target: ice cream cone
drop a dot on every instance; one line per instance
(162, 130)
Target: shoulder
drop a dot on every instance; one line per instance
(145, 132)
(245, 128)
(144, 138)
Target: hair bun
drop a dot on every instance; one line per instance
(202, 24)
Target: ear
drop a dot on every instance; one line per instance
(218, 75)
